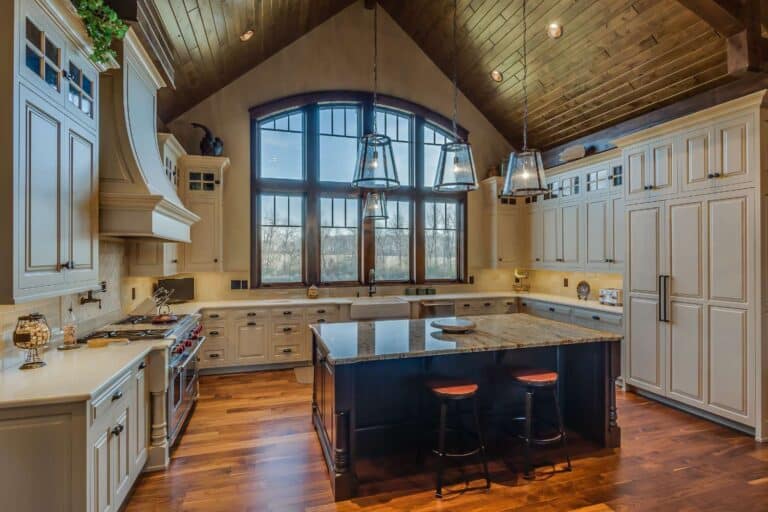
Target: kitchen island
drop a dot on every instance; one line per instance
(370, 399)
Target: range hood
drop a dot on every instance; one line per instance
(136, 199)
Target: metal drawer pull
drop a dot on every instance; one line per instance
(552, 310)
(320, 311)
(251, 314)
(287, 350)
(487, 304)
(214, 315)
(118, 430)
(321, 320)
(713, 175)
(214, 355)
(214, 333)
(287, 312)
(142, 365)
(251, 324)
(466, 305)
(287, 329)
(595, 317)
(118, 395)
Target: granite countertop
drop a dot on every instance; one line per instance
(355, 342)
(71, 375)
(197, 306)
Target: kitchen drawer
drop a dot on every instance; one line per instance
(214, 333)
(468, 307)
(549, 310)
(291, 351)
(598, 320)
(325, 319)
(247, 314)
(509, 306)
(213, 354)
(324, 311)
(107, 403)
(212, 316)
(287, 328)
(287, 314)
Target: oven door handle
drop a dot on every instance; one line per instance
(178, 366)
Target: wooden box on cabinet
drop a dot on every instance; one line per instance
(50, 243)
(202, 182)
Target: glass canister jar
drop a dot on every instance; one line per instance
(32, 334)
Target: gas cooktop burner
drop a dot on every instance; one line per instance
(130, 334)
(149, 319)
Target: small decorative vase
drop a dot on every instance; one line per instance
(313, 292)
(31, 334)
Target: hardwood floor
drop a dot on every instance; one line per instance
(250, 446)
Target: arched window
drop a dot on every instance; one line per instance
(306, 224)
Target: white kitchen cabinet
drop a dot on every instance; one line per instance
(153, 259)
(51, 239)
(549, 235)
(605, 233)
(650, 169)
(562, 236)
(252, 342)
(202, 182)
(535, 238)
(505, 228)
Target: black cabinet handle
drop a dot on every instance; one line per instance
(287, 313)
(214, 333)
(487, 304)
(117, 430)
(538, 259)
(321, 320)
(215, 260)
(287, 350)
(174, 261)
(251, 324)
(214, 355)
(552, 310)
(287, 329)
(595, 317)
(142, 365)
(251, 314)
(320, 311)
(118, 395)
(214, 315)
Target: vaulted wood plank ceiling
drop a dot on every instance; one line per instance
(205, 35)
(615, 60)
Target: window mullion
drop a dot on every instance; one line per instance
(418, 235)
(312, 212)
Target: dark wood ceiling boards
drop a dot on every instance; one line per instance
(616, 59)
(205, 35)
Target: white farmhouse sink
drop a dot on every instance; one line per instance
(377, 308)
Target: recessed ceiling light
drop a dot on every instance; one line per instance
(496, 75)
(246, 35)
(554, 30)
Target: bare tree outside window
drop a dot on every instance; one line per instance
(282, 237)
(339, 219)
(393, 242)
(441, 240)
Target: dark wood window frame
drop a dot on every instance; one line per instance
(312, 189)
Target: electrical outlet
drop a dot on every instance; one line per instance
(471, 279)
(565, 282)
(234, 284)
(133, 293)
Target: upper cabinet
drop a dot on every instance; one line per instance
(202, 190)
(506, 229)
(51, 195)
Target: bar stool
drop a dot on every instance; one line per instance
(447, 392)
(535, 379)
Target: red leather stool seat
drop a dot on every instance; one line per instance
(534, 376)
(447, 389)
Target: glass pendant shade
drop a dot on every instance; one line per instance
(525, 175)
(375, 206)
(455, 168)
(375, 164)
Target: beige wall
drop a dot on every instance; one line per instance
(334, 56)
(114, 302)
(551, 281)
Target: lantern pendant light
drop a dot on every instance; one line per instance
(525, 171)
(456, 167)
(375, 160)
(375, 206)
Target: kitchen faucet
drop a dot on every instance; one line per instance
(372, 282)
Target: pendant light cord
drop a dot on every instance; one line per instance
(525, 79)
(375, 59)
(455, 72)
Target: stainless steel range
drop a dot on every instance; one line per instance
(183, 335)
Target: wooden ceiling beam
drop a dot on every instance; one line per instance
(725, 16)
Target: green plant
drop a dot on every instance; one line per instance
(103, 27)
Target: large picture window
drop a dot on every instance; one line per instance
(306, 224)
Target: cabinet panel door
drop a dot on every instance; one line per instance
(645, 247)
(597, 217)
(39, 210)
(536, 236)
(697, 158)
(645, 344)
(171, 255)
(686, 351)
(102, 498)
(734, 150)
(83, 206)
(662, 176)
(252, 342)
(570, 234)
(202, 253)
(728, 355)
(549, 235)
(686, 242)
(509, 235)
(618, 230)
(636, 162)
(728, 252)
(120, 454)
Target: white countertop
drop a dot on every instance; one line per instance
(71, 375)
(195, 307)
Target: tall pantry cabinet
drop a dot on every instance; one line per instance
(49, 121)
(694, 310)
